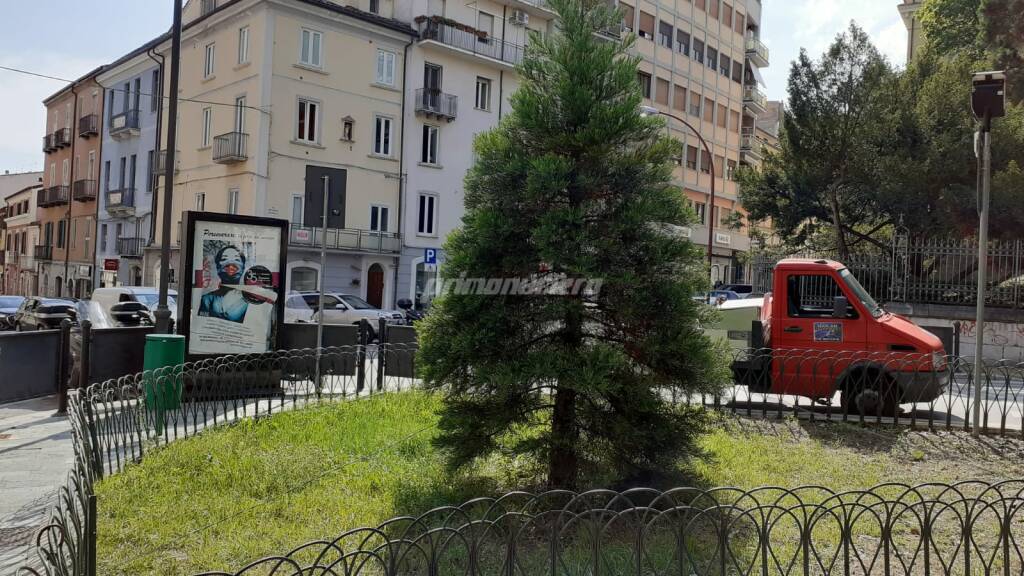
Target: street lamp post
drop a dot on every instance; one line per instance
(710, 218)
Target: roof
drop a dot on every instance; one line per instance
(141, 49)
(81, 79)
(390, 23)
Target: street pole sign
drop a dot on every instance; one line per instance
(988, 100)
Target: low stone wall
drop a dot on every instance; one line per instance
(1004, 328)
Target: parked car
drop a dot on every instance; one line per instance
(716, 297)
(339, 308)
(37, 313)
(107, 298)
(8, 306)
(742, 289)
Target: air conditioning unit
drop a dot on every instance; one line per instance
(520, 18)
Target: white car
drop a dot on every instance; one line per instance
(146, 295)
(339, 308)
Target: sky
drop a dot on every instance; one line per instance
(68, 38)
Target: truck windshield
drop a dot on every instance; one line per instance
(861, 293)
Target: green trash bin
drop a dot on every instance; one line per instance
(163, 393)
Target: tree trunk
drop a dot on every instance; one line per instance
(563, 463)
(837, 220)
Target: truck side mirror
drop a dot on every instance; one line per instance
(840, 307)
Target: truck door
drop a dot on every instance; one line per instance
(814, 345)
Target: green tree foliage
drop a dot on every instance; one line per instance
(574, 182)
(826, 173)
(953, 25)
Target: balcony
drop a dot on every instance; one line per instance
(160, 166)
(433, 102)
(89, 125)
(130, 247)
(48, 145)
(754, 100)
(757, 52)
(62, 137)
(43, 252)
(750, 146)
(230, 148)
(83, 190)
(52, 196)
(125, 124)
(121, 202)
(346, 239)
(467, 40)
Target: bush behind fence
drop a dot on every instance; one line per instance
(116, 422)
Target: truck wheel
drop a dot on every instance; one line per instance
(870, 393)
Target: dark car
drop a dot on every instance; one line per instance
(742, 289)
(8, 306)
(38, 313)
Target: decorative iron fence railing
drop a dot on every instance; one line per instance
(684, 531)
(923, 271)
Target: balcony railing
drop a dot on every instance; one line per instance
(125, 123)
(89, 125)
(62, 137)
(444, 31)
(52, 196)
(42, 252)
(230, 148)
(753, 98)
(756, 51)
(161, 162)
(749, 142)
(130, 247)
(48, 145)
(350, 239)
(433, 102)
(121, 201)
(83, 190)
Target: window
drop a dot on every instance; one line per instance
(428, 153)
(645, 84)
(739, 23)
(132, 164)
(661, 91)
(207, 127)
(150, 167)
(60, 233)
(427, 213)
(485, 24)
(233, 201)
(695, 100)
(297, 204)
(698, 51)
(375, 6)
(385, 67)
(719, 165)
(691, 157)
(701, 209)
(682, 42)
(154, 91)
(304, 279)
(347, 128)
(679, 98)
(709, 110)
(136, 94)
(705, 162)
(665, 34)
(103, 237)
(66, 172)
(714, 9)
(646, 26)
(725, 65)
(730, 170)
(310, 52)
(734, 121)
(726, 15)
(379, 218)
(308, 117)
(628, 16)
(200, 201)
(382, 135)
(737, 72)
(712, 59)
(722, 116)
(483, 93)
(240, 114)
(702, 4)
(122, 173)
(243, 45)
(106, 176)
(211, 50)
(813, 296)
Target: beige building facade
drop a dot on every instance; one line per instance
(915, 33)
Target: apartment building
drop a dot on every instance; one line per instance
(18, 232)
(280, 99)
(130, 157)
(65, 253)
(461, 73)
(915, 33)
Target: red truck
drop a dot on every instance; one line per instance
(821, 332)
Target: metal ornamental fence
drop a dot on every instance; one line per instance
(970, 528)
(923, 271)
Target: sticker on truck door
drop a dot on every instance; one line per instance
(828, 331)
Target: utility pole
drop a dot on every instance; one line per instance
(163, 313)
(987, 102)
(323, 273)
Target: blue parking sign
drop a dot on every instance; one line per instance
(430, 256)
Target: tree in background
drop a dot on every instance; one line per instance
(826, 173)
(574, 182)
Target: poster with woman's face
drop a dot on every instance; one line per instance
(236, 284)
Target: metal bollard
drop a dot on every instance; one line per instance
(86, 353)
(63, 361)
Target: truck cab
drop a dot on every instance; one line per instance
(821, 332)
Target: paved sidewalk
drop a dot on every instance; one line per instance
(35, 457)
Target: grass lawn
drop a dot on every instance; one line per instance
(235, 494)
